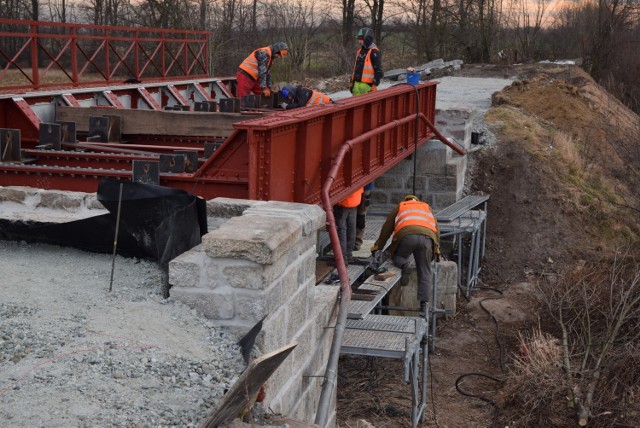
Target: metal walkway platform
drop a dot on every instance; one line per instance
(371, 292)
(462, 220)
(404, 338)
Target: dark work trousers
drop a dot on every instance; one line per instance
(362, 218)
(421, 246)
(346, 224)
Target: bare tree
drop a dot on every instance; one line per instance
(597, 309)
(298, 23)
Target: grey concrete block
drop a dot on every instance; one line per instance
(186, 269)
(271, 337)
(213, 304)
(67, 201)
(13, 194)
(254, 305)
(433, 160)
(311, 217)
(443, 200)
(241, 273)
(443, 184)
(390, 181)
(229, 207)
(260, 239)
(297, 312)
(307, 268)
(92, 203)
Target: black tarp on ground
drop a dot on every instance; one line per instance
(156, 222)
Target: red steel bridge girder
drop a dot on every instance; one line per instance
(288, 154)
(285, 156)
(97, 54)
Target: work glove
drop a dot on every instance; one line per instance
(266, 92)
(374, 248)
(437, 255)
(374, 88)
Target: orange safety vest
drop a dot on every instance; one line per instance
(353, 200)
(250, 63)
(415, 213)
(368, 72)
(318, 98)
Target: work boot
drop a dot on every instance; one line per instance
(359, 236)
(423, 307)
(406, 273)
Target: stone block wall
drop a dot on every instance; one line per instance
(446, 289)
(259, 262)
(440, 171)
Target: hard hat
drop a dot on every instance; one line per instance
(360, 33)
(411, 198)
(280, 47)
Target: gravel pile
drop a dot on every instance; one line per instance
(73, 354)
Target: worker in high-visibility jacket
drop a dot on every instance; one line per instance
(367, 70)
(415, 232)
(345, 216)
(300, 96)
(254, 73)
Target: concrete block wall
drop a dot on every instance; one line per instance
(440, 172)
(446, 289)
(259, 262)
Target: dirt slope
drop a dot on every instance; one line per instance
(563, 180)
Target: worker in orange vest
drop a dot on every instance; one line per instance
(367, 70)
(415, 231)
(254, 74)
(345, 216)
(300, 96)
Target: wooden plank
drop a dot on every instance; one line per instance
(247, 386)
(153, 122)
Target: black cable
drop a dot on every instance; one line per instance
(496, 411)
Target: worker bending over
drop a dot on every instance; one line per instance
(415, 231)
(254, 74)
(300, 96)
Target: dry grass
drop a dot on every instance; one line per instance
(535, 388)
(588, 366)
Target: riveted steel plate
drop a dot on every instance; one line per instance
(50, 133)
(9, 145)
(172, 163)
(146, 172)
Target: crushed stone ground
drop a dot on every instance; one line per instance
(73, 354)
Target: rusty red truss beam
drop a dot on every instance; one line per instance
(285, 156)
(97, 54)
(290, 153)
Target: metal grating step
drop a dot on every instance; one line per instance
(376, 289)
(455, 210)
(384, 336)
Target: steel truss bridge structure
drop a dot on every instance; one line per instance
(181, 122)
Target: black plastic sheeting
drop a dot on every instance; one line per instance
(156, 223)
